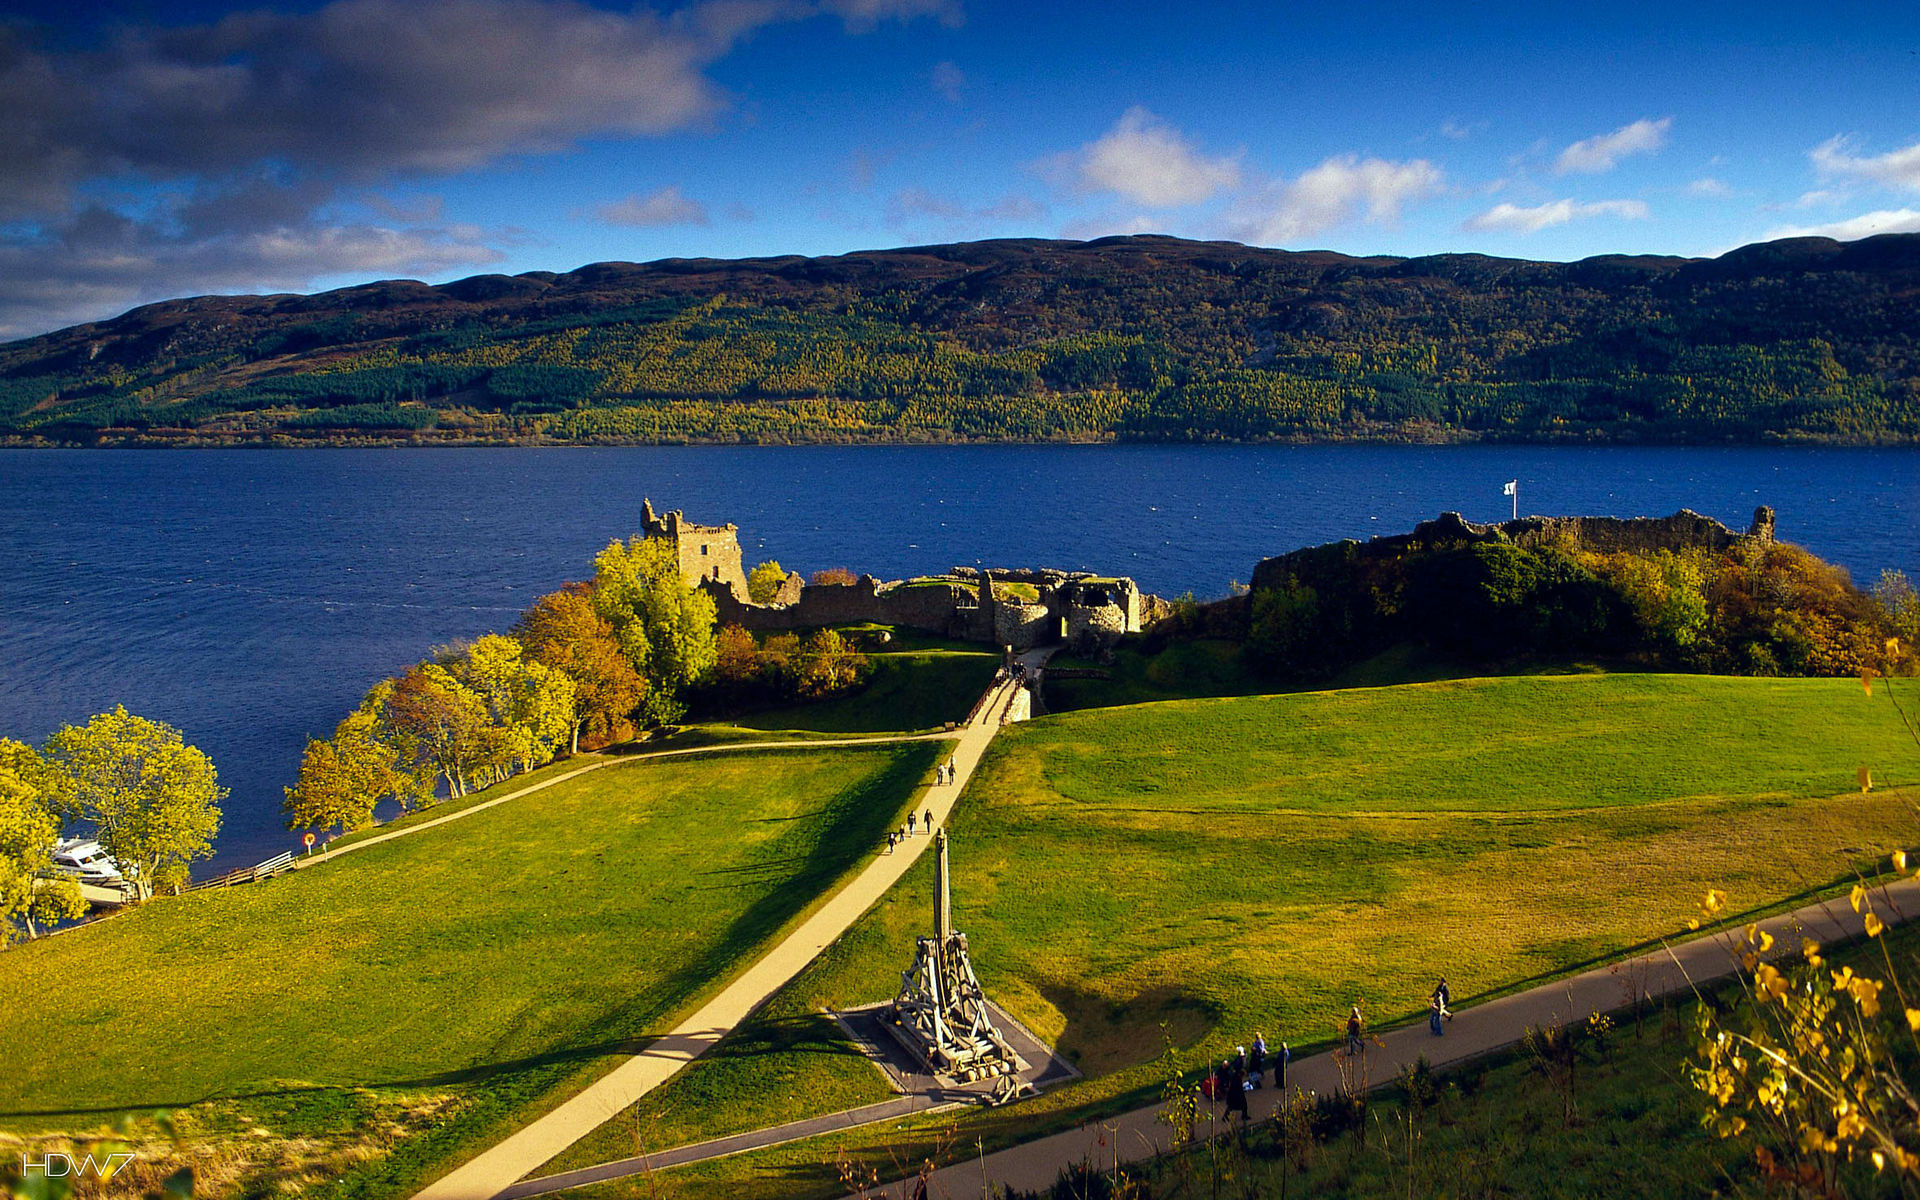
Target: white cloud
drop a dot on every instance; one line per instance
(1147, 161)
(862, 16)
(1899, 169)
(102, 262)
(1818, 197)
(1601, 153)
(667, 206)
(1898, 220)
(1341, 189)
(1089, 228)
(1453, 129)
(918, 208)
(1714, 188)
(948, 79)
(1511, 218)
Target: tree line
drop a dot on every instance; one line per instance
(1752, 609)
(584, 666)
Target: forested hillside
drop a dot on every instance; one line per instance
(1121, 338)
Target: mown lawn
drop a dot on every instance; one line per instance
(491, 964)
(1221, 867)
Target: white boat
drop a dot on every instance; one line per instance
(83, 860)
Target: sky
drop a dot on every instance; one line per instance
(152, 150)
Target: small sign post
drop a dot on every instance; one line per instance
(308, 839)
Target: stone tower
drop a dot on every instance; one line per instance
(705, 551)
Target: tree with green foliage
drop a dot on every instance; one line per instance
(29, 830)
(664, 626)
(563, 631)
(152, 799)
(764, 581)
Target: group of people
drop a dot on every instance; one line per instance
(945, 773)
(896, 836)
(1246, 1072)
(1439, 1011)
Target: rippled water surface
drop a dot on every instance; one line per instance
(250, 597)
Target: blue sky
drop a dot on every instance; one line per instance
(162, 150)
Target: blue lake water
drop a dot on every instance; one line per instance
(250, 597)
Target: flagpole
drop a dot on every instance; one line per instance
(1516, 499)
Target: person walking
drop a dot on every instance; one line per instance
(1237, 1092)
(1443, 998)
(926, 822)
(1433, 1016)
(1355, 1029)
(893, 839)
(910, 817)
(1257, 1062)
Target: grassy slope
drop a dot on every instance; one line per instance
(1211, 667)
(1230, 865)
(501, 957)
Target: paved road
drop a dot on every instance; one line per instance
(497, 1169)
(1475, 1032)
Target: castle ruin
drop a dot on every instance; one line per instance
(1017, 608)
(709, 554)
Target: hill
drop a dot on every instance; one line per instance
(351, 1029)
(1140, 337)
(1211, 868)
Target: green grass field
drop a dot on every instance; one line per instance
(1203, 668)
(481, 969)
(1221, 867)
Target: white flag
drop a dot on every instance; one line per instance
(1512, 489)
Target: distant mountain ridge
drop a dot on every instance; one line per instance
(1142, 337)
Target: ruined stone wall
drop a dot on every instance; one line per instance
(1092, 628)
(1022, 626)
(865, 600)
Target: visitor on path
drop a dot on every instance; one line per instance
(893, 839)
(927, 821)
(1237, 1091)
(1355, 1028)
(1433, 1016)
(1443, 998)
(910, 824)
(1257, 1062)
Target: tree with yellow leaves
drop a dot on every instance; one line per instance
(29, 829)
(1817, 1068)
(152, 799)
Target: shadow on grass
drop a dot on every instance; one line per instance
(1103, 1035)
